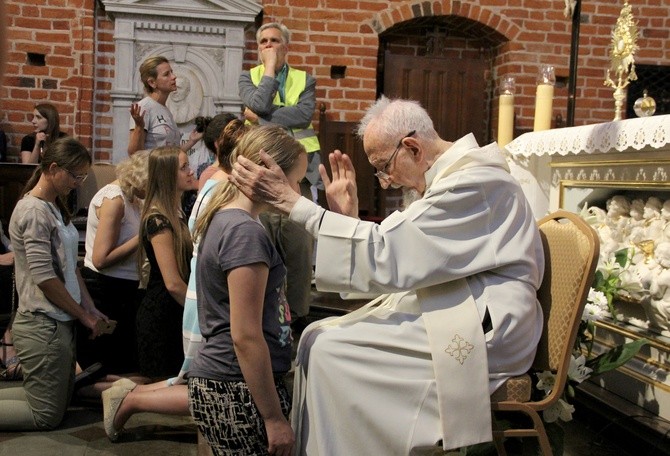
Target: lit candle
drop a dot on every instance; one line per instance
(506, 112)
(544, 98)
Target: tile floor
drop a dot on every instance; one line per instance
(82, 433)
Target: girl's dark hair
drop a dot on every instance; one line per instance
(50, 113)
(214, 128)
(67, 153)
(227, 140)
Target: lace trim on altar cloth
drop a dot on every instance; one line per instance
(637, 134)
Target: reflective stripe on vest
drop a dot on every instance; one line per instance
(296, 80)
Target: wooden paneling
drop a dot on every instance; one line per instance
(13, 177)
(453, 91)
(340, 135)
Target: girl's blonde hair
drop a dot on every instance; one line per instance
(275, 141)
(227, 140)
(149, 70)
(132, 174)
(162, 198)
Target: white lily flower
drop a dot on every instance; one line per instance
(546, 381)
(566, 410)
(610, 268)
(561, 409)
(578, 370)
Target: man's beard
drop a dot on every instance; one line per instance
(409, 195)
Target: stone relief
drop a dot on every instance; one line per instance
(186, 102)
(641, 226)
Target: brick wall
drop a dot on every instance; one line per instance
(536, 30)
(77, 40)
(58, 34)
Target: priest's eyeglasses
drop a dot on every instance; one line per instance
(381, 174)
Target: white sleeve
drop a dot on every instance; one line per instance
(308, 214)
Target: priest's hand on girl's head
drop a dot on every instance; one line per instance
(267, 184)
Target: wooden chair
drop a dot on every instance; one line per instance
(571, 249)
(100, 174)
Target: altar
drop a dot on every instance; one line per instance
(584, 167)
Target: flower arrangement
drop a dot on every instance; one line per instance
(583, 364)
(612, 281)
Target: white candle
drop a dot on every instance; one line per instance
(505, 119)
(544, 98)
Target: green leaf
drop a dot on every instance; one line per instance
(621, 257)
(598, 281)
(615, 357)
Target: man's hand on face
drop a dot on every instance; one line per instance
(269, 57)
(267, 184)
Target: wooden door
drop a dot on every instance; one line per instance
(453, 91)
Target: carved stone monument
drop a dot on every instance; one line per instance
(204, 41)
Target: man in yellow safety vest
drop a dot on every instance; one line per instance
(275, 93)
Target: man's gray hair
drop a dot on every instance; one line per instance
(285, 33)
(395, 118)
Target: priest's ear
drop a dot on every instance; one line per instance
(414, 147)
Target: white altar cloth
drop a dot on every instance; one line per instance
(529, 155)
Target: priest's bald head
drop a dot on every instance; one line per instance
(401, 143)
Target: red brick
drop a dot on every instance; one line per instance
(57, 13)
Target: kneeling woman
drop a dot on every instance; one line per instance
(236, 390)
(166, 244)
(51, 290)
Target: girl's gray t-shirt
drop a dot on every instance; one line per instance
(236, 239)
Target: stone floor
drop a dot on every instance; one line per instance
(82, 431)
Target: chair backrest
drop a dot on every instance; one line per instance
(99, 175)
(571, 249)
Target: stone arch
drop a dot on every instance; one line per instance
(391, 16)
(453, 30)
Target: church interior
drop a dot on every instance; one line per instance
(575, 92)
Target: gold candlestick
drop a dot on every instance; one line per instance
(622, 50)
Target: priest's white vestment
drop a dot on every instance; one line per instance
(372, 382)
